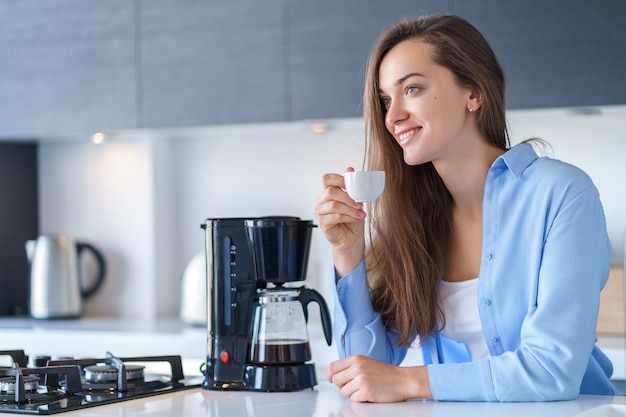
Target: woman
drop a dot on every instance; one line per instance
(489, 257)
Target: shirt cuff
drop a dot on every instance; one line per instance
(471, 381)
(353, 295)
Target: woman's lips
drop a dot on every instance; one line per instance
(406, 136)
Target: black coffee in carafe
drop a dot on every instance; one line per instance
(277, 352)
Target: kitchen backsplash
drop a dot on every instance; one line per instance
(142, 195)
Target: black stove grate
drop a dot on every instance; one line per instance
(62, 385)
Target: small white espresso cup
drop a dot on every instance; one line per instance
(364, 186)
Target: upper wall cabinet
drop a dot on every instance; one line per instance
(328, 47)
(556, 53)
(73, 66)
(212, 62)
(250, 61)
(66, 66)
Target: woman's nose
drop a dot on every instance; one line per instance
(395, 113)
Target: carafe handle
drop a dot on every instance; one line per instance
(91, 290)
(306, 296)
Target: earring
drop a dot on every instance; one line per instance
(471, 109)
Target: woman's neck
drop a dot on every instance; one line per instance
(465, 176)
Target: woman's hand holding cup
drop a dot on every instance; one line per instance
(341, 219)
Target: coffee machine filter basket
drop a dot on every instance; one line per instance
(279, 247)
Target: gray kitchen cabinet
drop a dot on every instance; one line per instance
(328, 47)
(72, 66)
(66, 66)
(246, 61)
(209, 62)
(558, 53)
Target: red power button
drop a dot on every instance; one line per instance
(224, 357)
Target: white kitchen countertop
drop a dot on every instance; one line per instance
(325, 400)
(93, 337)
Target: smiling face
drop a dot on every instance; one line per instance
(426, 109)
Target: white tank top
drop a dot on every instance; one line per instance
(460, 307)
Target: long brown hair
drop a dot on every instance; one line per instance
(410, 224)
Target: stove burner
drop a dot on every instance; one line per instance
(71, 384)
(8, 384)
(108, 373)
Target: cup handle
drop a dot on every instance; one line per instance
(91, 290)
(306, 296)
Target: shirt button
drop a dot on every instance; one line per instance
(486, 301)
(494, 340)
(489, 256)
(342, 291)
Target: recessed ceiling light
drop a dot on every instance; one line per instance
(319, 127)
(97, 138)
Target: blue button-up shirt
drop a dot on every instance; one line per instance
(545, 258)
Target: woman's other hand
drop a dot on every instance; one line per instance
(342, 221)
(363, 379)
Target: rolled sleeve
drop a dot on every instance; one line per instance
(358, 327)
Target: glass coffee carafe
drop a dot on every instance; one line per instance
(279, 334)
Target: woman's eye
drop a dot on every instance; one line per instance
(385, 102)
(412, 90)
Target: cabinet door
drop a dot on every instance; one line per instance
(208, 62)
(66, 66)
(556, 53)
(329, 43)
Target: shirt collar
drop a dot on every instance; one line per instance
(517, 159)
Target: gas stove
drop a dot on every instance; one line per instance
(54, 386)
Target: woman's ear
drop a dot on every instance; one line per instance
(475, 99)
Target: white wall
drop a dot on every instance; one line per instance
(259, 170)
(142, 196)
(103, 195)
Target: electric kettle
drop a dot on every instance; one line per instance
(56, 289)
(193, 306)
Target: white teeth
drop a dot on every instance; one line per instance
(406, 134)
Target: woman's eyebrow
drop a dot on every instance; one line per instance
(409, 75)
(402, 79)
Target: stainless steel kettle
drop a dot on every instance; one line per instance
(55, 278)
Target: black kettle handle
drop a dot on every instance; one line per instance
(306, 296)
(88, 292)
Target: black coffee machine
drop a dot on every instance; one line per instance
(257, 338)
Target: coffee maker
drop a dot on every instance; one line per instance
(257, 337)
